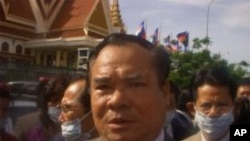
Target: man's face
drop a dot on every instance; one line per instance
(71, 106)
(213, 101)
(127, 102)
(243, 91)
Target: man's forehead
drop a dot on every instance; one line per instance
(245, 86)
(69, 101)
(122, 75)
(213, 96)
(70, 96)
(123, 52)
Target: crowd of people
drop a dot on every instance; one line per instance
(126, 95)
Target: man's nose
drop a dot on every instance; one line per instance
(214, 112)
(118, 99)
(61, 118)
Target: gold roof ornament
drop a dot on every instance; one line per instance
(116, 16)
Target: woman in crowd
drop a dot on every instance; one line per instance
(49, 127)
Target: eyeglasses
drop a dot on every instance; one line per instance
(219, 108)
(67, 108)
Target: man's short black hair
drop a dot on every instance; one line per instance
(215, 76)
(161, 60)
(244, 81)
(183, 99)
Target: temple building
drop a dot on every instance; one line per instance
(57, 33)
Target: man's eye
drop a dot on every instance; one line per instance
(205, 105)
(103, 87)
(65, 108)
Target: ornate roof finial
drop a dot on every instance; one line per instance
(116, 15)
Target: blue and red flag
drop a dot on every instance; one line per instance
(167, 40)
(141, 32)
(183, 38)
(171, 45)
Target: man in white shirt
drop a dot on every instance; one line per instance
(129, 89)
(214, 92)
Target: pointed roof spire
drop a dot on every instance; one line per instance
(116, 15)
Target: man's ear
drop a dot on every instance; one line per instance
(166, 87)
(166, 93)
(190, 107)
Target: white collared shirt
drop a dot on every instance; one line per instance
(170, 130)
(185, 115)
(225, 138)
(160, 136)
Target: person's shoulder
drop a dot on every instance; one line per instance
(29, 117)
(24, 123)
(195, 137)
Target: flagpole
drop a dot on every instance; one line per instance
(160, 29)
(208, 10)
(146, 26)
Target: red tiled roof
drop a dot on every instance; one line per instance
(21, 8)
(73, 14)
(2, 16)
(69, 21)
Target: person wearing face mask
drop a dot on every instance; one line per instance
(5, 99)
(214, 92)
(48, 129)
(76, 117)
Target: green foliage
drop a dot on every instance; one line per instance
(185, 65)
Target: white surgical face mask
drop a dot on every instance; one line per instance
(214, 127)
(72, 130)
(54, 113)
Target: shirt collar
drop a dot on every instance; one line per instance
(185, 115)
(170, 130)
(160, 136)
(225, 138)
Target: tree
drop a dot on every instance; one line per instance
(206, 41)
(185, 65)
(199, 43)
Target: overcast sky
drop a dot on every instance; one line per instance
(229, 26)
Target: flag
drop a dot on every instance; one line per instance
(171, 44)
(185, 42)
(182, 36)
(167, 40)
(172, 48)
(141, 32)
(155, 37)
